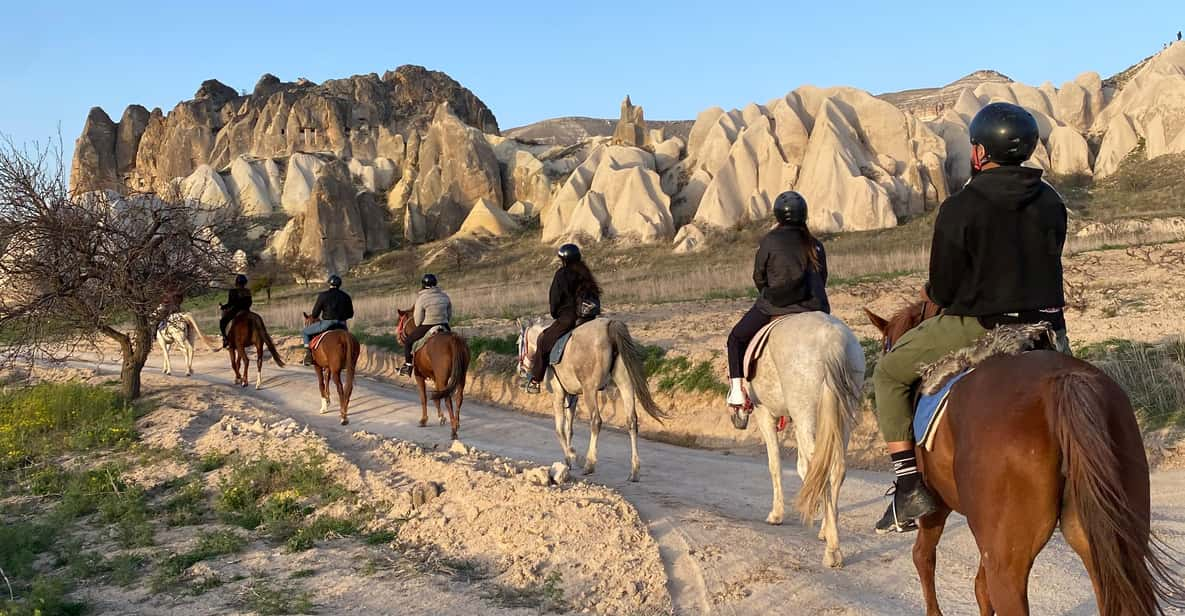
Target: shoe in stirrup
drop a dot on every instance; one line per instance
(531, 386)
(405, 369)
(308, 357)
(905, 508)
(738, 404)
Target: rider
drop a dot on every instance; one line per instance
(433, 308)
(572, 285)
(790, 272)
(995, 258)
(333, 307)
(238, 300)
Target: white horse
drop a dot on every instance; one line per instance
(181, 330)
(599, 353)
(812, 370)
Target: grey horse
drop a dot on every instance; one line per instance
(600, 352)
(812, 371)
(179, 329)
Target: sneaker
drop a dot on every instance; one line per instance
(405, 369)
(905, 509)
(531, 386)
(308, 357)
(736, 393)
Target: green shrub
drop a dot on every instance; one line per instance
(320, 529)
(505, 345)
(274, 492)
(1153, 375)
(46, 420)
(209, 545)
(267, 600)
(677, 373)
(47, 597)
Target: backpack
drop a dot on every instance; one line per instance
(588, 307)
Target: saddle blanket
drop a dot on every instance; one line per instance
(757, 347)
(316, 341)
(930, 410)
(419, 344)
(557, 351)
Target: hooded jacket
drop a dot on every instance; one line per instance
(998, 245)
(333, 305)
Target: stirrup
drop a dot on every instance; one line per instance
(739, 415)
(890, 522)
(531, 386)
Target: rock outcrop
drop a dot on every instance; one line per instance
(487, 218)
(94, 166)
(614, 194)
(1069, 154)
(631, 126)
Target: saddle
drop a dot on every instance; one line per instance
(437, 329)
(757, 345)
(557, 351)
(940, 377)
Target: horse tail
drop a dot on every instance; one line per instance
(267, 338)
(834, 420)
(460, 365)
(629, 353)
(197, 330)
(352, 350)
(1133, 571)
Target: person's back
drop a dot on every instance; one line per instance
(998, 244)
(433, 307)
(238, 299)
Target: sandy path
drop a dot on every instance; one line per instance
(706, 510)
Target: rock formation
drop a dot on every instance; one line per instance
(614, 194)
(631, 126)
(487, 218)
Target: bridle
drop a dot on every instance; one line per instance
(401, 329)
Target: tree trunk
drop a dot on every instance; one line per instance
(134, 350)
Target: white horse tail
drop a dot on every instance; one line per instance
(836, 414)
(628, 352)
(196, 330)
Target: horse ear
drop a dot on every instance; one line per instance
(877, 321)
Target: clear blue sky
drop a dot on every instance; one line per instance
(533, 60)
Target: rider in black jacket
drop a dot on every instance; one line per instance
(238, 300)
(572, 284)
(790, 272)
(333, 307)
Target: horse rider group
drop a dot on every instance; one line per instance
(995, 259)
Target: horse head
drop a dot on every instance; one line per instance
(526, 337)
(401, 325)
(902, 321)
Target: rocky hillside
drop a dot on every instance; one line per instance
(353, 166)
(575, 129)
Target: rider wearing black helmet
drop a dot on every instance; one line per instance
(572, 286)
(238, 300)
(433, 308)
(995, 258)
(333, 307)
(790, 272)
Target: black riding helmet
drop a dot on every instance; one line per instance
(428, 281)
(569, 254)
(335, 281)
(1007, 132)
(790, 209)
(240, 280)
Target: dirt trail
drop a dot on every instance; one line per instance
(706, 510)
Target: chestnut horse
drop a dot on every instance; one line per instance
(247, 329)
(1029, 441)
(444, 358)
(337, 351)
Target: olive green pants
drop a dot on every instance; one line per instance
(899, 369)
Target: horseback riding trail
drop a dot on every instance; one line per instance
(706, 509)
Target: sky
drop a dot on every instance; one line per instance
(533, 60)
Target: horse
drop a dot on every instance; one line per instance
(599, 352)
(244, 330)
(1030, 441)
(812, 370)
(444, 358)
(337, 351)
(182, 330)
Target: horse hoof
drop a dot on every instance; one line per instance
(833, 559)
(423, 423)
(773, 520)
(633, 478)
(590, 469)
(345, 422)
(454, 436)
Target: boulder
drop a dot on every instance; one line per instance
(298, 182)
(523, 211)
(689, 239)
(699, 130)
(250, 188)
(94, 166)
(456, 168)
(1119, 140)
(667, 154)
(207, 188)
(1073, 106)
(485, 218)
(745, 186)
(614, 193)
(841, 198)
(131, 129)
(1040, 158)
(1069, 153)
(953, 131)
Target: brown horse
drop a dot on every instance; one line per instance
(247, 329)
(1030, 440)
(337, 351)
(444, 358)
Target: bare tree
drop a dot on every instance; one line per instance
(78, 267)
